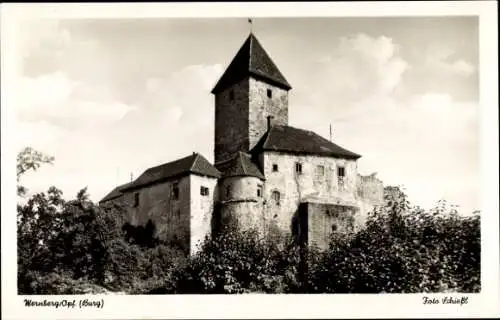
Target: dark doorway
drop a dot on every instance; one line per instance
(303, 225)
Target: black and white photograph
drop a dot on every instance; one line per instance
(248, 154)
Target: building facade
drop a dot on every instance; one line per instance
(283, 181)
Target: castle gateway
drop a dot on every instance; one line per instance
(280, 180)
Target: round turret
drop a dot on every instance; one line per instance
(241, 191)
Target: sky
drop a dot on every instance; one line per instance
(110, 98)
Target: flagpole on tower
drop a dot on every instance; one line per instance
(250, 23)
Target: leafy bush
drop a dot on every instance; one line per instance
(236, 261)
(72, 247)
(67, 243)
(60, 283)
(403, 249)
(138, 270)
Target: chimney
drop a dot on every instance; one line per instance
(269, 122)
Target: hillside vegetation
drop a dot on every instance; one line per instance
(75, 247)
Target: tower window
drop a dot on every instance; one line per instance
(175, 191)
(341, 171)
(231, 95)
(204, 191)
(136, 199)
(269, 93)
(341, 177)
(259, 191)
(298, 168)
(276, 197)
(275, 167)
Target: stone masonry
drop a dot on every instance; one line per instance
(285, 182)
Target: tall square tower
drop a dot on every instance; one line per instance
(251, 93)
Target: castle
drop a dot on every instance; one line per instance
(267, 175)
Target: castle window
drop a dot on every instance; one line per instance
(341, 177)
(320, 171)
(136, 199)
(276, 197)
(341, 171)
(298, 168)
(275, 167)
(175, 191)
(269, 93)
(204, 191)
(228, 191)
(259, 191)
(231, 95)
(334, 227)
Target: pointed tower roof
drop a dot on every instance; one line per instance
(251, 60)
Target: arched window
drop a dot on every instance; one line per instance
(276, 197)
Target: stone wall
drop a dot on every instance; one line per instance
(239, 188)
(371, 189)
(241, 113)
(202, 208)
(231, 121)
(261, 106)
(296, 188)
(127, 215)
(326, 219)
(170, 216)
(245, 214)
(241, 203)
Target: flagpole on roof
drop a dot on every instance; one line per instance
(250, 23)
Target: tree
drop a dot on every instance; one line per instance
(77, 246)
(29, 159)
(65, 238)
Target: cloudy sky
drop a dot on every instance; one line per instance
(110, 98)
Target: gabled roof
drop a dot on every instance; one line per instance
(251, 60)
(193, 164)
(115, 193)
(293, 140)
(240, 166)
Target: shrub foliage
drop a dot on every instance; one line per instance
(77, 246)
